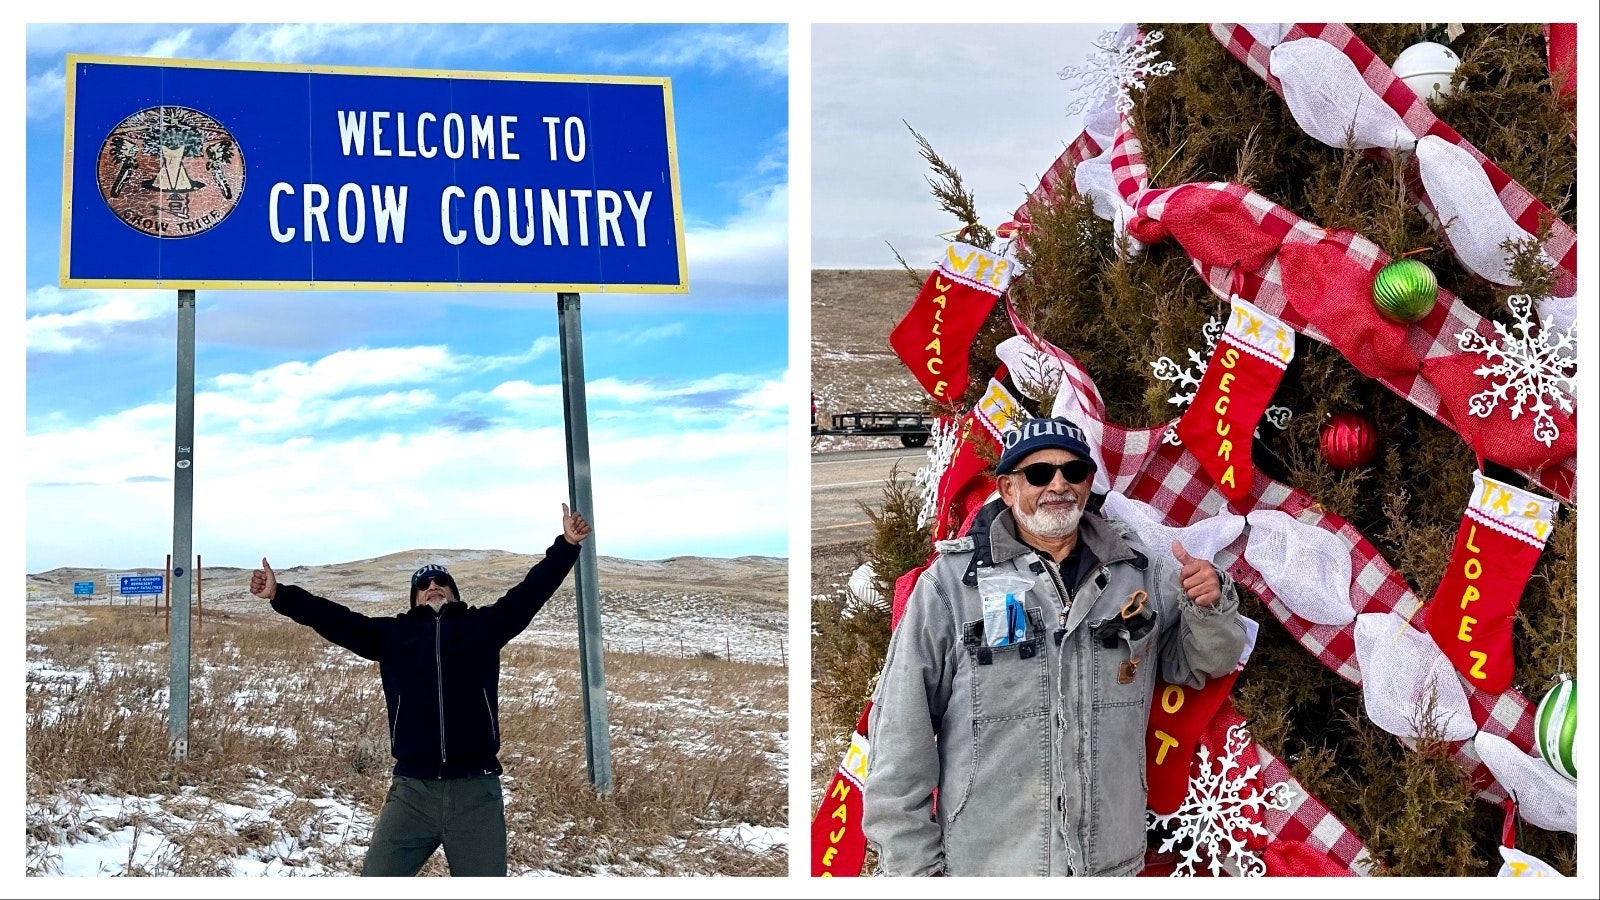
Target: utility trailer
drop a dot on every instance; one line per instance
(913, 428)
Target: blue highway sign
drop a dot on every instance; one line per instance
(82, 587)
(141, 584)
(190, 174)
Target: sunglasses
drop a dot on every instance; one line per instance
(1041, 474)
(444, 581)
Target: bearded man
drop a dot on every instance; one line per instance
(1008, 722)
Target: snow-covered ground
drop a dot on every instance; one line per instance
(267, 697)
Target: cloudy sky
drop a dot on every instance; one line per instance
(334, 426)
(987, 97)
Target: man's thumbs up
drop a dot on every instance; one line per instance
(263, 581)
(1197, 577)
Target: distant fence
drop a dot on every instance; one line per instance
(689, 649)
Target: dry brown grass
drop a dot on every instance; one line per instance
(275, 711)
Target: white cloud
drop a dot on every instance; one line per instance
(751, 248)
(713, 49)
(638, 337)
(328, 460)
(342, 371)
(84, 319)
(314, 500)
(988, 98)
(47, 93)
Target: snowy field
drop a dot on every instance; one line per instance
(289, 758)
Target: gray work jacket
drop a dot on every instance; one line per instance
(1038, 755)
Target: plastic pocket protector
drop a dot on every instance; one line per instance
(1005, 617)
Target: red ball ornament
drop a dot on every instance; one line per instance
(1349, 440)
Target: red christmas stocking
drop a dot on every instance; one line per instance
(1501, 537)
(1244, 371)
(1178, 718)
(838, 846)
(965, 482)
(936, 334)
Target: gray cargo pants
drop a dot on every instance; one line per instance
(466, 815)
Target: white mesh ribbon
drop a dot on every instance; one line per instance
(1469, 209)
(1516, 864)
(1092, 178)
(1202, 540)
(1307, 567)
(1268, 33)
(1544, 798)
(1073, 407)
(1559, 314)
(863, 588)
(1328, 97)
(1036, 373)
(1402, 672)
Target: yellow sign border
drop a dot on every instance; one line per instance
(74, 59)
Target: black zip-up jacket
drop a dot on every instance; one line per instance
(441, 670)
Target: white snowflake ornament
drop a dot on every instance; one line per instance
(1120, 62)
(1214, 812)
(1539, 369)
(1167, 369)
(941, 449)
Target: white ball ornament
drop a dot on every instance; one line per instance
(1426, 68)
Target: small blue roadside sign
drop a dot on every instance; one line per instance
(141, 584)
(82, 587)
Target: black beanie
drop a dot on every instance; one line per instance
(432, 570)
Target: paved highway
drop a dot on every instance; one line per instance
(839, 481)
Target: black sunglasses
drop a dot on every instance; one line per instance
(444, 581)
(1041, 474)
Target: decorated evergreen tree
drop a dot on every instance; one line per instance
(1319, 320)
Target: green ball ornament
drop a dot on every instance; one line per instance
(1404, 291)
(1555, 724)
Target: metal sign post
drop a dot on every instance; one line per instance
(182, 537)
(586, 576)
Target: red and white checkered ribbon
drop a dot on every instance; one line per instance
(1435, 337)
(1519, 203)
(1308, 821)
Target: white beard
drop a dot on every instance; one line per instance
(1051, 523)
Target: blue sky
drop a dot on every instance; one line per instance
(334, 426)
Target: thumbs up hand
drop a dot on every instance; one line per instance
(574, 527)
(1197, 577)
(263, 581)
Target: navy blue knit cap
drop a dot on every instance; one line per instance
(1054, 433)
